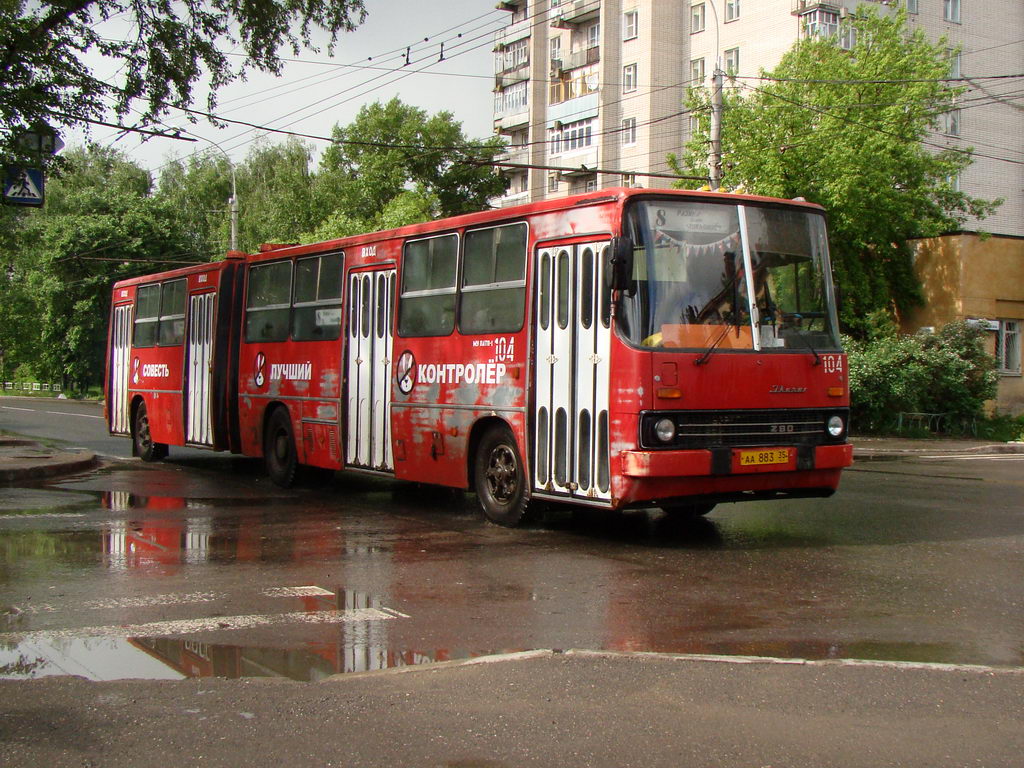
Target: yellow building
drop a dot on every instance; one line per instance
(979, 279)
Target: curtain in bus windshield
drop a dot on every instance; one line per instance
(493, 296)
(788, 251)
(427, 307)
(688, 277)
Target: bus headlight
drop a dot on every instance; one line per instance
(665, 429)
(835, 426)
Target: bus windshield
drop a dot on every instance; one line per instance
(710, 274)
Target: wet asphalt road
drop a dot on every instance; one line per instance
(200, 567)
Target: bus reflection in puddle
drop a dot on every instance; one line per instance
(314, 662)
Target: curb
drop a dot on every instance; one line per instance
(32, 462)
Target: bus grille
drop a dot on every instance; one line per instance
(709, 429)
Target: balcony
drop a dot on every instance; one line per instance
(572, 14)
(505, 79)
(514, 153)
(577, 164)
(519, 30)
(842, 7)
(576, 59)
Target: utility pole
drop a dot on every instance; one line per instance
(234, 211)
(715, 159)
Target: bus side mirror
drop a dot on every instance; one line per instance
(621, 263)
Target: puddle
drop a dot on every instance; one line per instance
(113, 658)
(355, 640)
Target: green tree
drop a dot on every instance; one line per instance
(162, 52)
(394, 147)
(100, 224)
(275, 192)
(199, 189)
(845, 128)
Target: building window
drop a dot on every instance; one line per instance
(573, 85)
(732, 10)
(555, 48)
(847, 36)
(628, 131)
(553, 182)
(593, 35)
(630, 24)
(629, 78)
(629, 179)
(951, 123)
(590, 185)
(911, 6)
(732, 61)
(571, 136)
(512, 99)
(820, 23)
(954, 64)
(697, 17)
(951, 10)
(1008, 347)
(696, 72)
(516, 55)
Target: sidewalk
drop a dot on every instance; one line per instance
(868, 448)
(22, 460)
(574, 709)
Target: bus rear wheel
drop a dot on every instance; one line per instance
(279, 455)
(500, 479)
(145, 448)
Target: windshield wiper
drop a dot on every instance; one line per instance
(718, 340)
(803, 339)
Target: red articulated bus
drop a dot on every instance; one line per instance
(622, 348)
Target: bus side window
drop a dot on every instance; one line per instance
(147, 315)
(493, 297)
(268, 305)
(172, 314)
(317, 313)
(427, 303)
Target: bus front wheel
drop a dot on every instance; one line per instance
(145, 448)
(279, 449)
(684, 512)
(500, 479)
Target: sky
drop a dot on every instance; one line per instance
(314, 93)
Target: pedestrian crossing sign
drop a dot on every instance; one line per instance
(23, 186)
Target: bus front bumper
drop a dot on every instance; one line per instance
(726, 462)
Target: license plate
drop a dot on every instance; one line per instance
(764, 456)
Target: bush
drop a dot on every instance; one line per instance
(948, 372)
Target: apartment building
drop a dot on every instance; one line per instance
(590, 94)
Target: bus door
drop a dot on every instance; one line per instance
(370, 339)
(120, 366)
(199, 370)
(572, 332)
